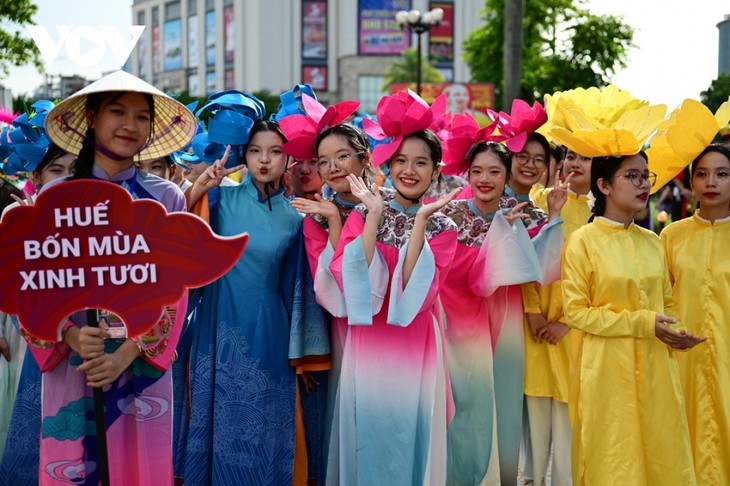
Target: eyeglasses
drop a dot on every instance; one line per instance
(324, 165)
(524, 158)
(637, 177)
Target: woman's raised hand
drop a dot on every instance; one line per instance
(371, 199)
(428, 209)
(319, 206)
(213, 175)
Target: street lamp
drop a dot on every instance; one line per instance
(418, 23)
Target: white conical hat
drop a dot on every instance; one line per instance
(174, 125)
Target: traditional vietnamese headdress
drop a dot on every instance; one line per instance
(522, 121)
(597, 123)
(232, 115)
(302, 130)
(398, 115)
(465, 134)
(24, 144)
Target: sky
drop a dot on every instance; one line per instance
(676, 55)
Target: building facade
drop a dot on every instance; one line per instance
(723, 65)
(340, 47)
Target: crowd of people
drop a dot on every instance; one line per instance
(420, 302)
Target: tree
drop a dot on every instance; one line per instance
(564, 47)
(15, 49)
(405, 70)
(717, 93)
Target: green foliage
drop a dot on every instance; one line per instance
(405, 70)
(16, 49)
(564, 47)
(717, 93)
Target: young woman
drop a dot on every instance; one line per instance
(23, 426)
(110, 123)
(547, 346)
(697, 253)
(243, 391)
(629, 422)
(392, 257)
(528, 166)
(305, 179)
(341, 150)
(490, 253)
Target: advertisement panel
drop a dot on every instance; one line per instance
(229, 34)
(210, 38)
(441, 37)
(172, 45)
(314, 30)
(315, 76)
(472, 98)
(193, 41)
(378, 32)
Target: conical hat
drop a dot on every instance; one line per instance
(174, 125)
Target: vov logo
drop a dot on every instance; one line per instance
(86, 45)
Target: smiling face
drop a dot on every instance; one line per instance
(711, 183)
(528, 166)
(122, 124)
(627, 191)
(412, 169)
(580, 167)
(336, 159)
(487, 177)
(306, 179)
(266, 159)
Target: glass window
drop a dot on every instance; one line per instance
(369, 92)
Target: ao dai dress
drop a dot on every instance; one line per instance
(393, 398)
(138, 404)
(626, 404)
(243, 389)
(698, 253)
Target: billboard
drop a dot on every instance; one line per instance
(378, 32)
(229, 34)
(314, 30)
(441, 37)
(172, 45)
(315, 76)
(472, 98)
(193, 41)
(210, 38)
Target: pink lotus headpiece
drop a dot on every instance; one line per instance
(441, 123)
(465, 133)
(398, 115)
(523, 121)
(302, 130)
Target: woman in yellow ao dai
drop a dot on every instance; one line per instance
(629, 423)
(698, 254)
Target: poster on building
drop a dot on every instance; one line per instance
(229, 79)
(194, 85)
(172, 45)
(210, 38)
(229, 34)
(142, 56)
(315, 76)
(210, 82)
(314, 30)
(193, 41)
(156, 54)
(378, 32)
(473, 98)
(441, 37)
